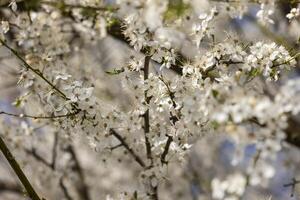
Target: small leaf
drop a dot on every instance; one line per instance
(115, 71)
(215, 125)
(176, 8)
(254, 72)
(17, 102)
(215, 93)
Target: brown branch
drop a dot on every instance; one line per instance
(146, 114)
(166, 150)
(18, 171)
(128, 148)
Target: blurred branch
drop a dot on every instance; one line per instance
(129, 149)
(293, 132)
(41, 159)
(83, 189)
(11, 187)
(64, 189)
(292, 185)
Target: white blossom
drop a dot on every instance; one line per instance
(294, 13)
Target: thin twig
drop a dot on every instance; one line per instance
(39, 117)
(36, 71)
(40, 74)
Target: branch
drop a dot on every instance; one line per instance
(129, 149)
(18, 171)
(54, 150)
(166, 150)
(146, 114)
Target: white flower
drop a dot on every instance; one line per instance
(61, 75)
(4, 27)
(233, 185)
(237, 183)
(268, 59)
(200, 29)
(136, 64)
(218, 188)
(168, 59)
(261, 173)
(264, 14)
(26, 128)
(80, 94)
(295, 12)
(13, 5)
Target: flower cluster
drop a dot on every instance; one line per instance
(181, 79)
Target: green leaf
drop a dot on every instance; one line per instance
(88, 12)
(215, 125)
(17, 103)
(115, 71)
(32, 4)
(135, 195)
(254, 72)
(176, 8)
(215, 93)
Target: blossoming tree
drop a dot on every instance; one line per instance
(182, 78)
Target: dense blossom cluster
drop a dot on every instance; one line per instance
(183, 81)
